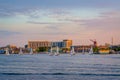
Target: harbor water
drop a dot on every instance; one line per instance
(62, 67)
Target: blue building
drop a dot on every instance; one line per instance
(57, 44)
(62, 44)
(2, 52)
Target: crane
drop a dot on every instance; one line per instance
(94, 42)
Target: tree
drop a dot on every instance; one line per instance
(96, 50)
(42, 49)
(66, 50)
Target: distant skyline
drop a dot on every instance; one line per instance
(55, 20)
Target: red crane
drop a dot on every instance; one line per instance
(94, 42)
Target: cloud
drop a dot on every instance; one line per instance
(32, 12)
(52, 27)
(5, 12)
(4, 33)
(72, 20)
(34, 22)
(63, 3)
(107, 21)
(11, 11)
(54, 33)
(7, 8)
(59, 16)
(57, 13)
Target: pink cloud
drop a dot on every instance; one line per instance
(104, 27)
(109, 20)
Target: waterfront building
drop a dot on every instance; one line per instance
(12, 49)
(104, 49)
(64, 45)
(67, 43)
(2, 51)
(81, 48)
(60, 44)
(57, 44)
(36, 44)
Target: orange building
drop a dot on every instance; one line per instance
(67, 43)
(35, 44)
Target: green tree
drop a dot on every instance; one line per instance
(65, 50)
(96, 50)
(42, 49)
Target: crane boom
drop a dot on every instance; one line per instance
(94, 42)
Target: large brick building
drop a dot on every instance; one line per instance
(61, 44)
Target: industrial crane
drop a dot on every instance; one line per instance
(94, 42)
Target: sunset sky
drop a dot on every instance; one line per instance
(55, 20)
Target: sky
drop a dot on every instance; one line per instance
(55, 20)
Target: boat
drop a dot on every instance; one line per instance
(7, 51)
(72, 52)
(57, 52)
(83, 51)
(20, 52)
(91, 50)
(51, 53)
(31, 51)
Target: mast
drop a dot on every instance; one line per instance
(31, 51)
(20, 52)
(91, 50)
(83, 50)
(112, 41)
(72, 52)
(57, 51)
(51, 51)
(7, 51)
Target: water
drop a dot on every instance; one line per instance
(62, 67)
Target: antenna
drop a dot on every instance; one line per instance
(112, 41)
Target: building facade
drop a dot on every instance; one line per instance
(80, 48)
(61, 44)
(36, 44)
(67, 43)
(57, 44)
